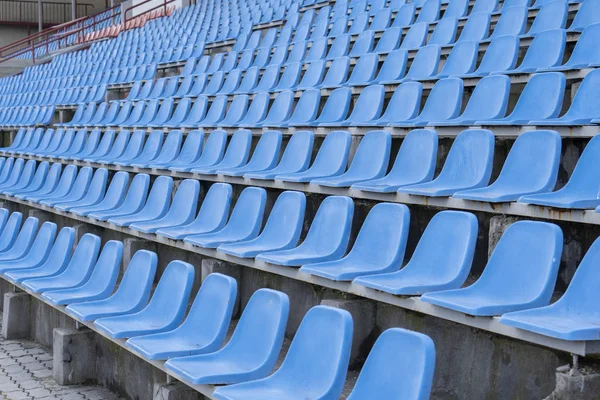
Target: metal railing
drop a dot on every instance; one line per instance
(15, 12)
(162, 4)
(58, 34)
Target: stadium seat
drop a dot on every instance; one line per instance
(521, 174)
(411, 353)
(299, 377)
(92, 194)
(244, 224)
(204, 328)
(581, 190)
(76, 271)
(327, 238)
(164, 311)
(379, 246)
(572, 317)
(113, 197)
(56, 259)
(98, 286)
(211, 155)
(473, 147)
(528, 249)
(36, 251)
(261, 326)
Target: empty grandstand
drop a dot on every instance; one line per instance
(300, 199)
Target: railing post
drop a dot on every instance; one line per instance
(73, 10)
(40, 16)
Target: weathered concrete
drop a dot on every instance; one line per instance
(174, 391)
(131, 246)
(17, 316)
(576, 384)
(73, 351)
(363, 316)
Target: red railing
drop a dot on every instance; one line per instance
(59, 33)
(77, 28)
(163, 4)
(26, 12)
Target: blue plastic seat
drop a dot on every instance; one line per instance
(379, 246)
(211, 154)
(584, 53)
(296, 157)
(331, 160)
(461, 60)
(429, 11)
(573, 316)
(370, 161)
(249, 81)
(289, 78)
(257, 111)
(300, 376)
(487, 6)
(545, 51)
(336, 73)
(280, 110)
(164, 312)
(581, 191)
(75, 191)
(441, 261)
(179, 115)
(528, 252)
(410, 353)
(100, 284)
(114, 196)
(586, 15)
(552, 15)
(313, 75)
(30, 177)
(197, 113)
(500, 56)
(156, 205)
(190, 152)
(416, 35)
(364, 70)
(36, 251)
(403, 105)
(236, 155)
(137, 112)
(305, 111)
(477, 27)
(130, 203)
(523, 174)
(10, 231)
(424, 65)
(56, 257)
(339, 47)
(198, 87)
(131, 295)
(259, 333)
(415, 163)
(75, 273)
(181, 211)
(94, 193)
(512, 21)
(231, 83)
(212, 216)
(204, 329)
(125, 112)
(48, 182)
(244, 224)
(389, 41)
(109, 150)
(282, 230)
(381, 20)
(265, 156)
(336, 107)
(584, 107)
(474, 148)
(138, 151)
(445, 30)
(326, 240)
(393, 68)
(541, 98)
(444, 102)
(52, 189)
(488, 101)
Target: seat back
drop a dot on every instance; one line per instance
(461, 60)
(489, 99)
(426, 62)
(586, 15)
(586, 49)
(368, 106)
(445, 30)
(546, 50)
(513, 21)
(281, 109)
(332, 157)
(401, 361)
(336, 107)
(416, 35)
(586, 102)
(267, 151)
(444, 100)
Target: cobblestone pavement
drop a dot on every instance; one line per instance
(26, 374)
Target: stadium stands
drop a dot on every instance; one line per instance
(377, 149)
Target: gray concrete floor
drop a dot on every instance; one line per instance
(26, 374)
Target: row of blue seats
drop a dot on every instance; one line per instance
(85, 280)
(27, 116)
(443, 107)
(56, 97)
(522, 178)
(526, 248)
